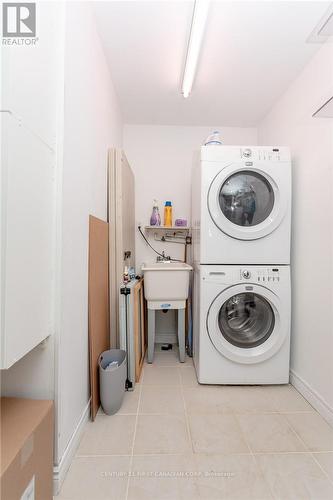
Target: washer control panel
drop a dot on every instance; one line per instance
(262, 275)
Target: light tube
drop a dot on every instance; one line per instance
(199, 19)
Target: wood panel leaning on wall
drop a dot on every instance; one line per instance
(98, 298)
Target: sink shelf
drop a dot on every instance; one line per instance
(168, 228)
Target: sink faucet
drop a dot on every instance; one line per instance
(163, 257)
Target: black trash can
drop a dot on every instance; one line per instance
(112, 379)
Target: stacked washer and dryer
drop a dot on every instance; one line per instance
(241, 218)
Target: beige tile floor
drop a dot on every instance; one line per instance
(175, 439)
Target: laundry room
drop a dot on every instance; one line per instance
(166, 250)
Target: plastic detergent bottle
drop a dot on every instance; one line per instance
(214, 139)
(155, 219)
(168, 214)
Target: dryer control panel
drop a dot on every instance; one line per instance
(262, 154)
(245, 153)
(260, 275)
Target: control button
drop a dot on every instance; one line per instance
(247, 152)
(246, 274)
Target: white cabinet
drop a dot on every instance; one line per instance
(30, 74)
(31, 89)
(27, 240)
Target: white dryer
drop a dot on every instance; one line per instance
(242, 324)
(241, 205)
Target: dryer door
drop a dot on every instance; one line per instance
(244, 323)
(246, 203)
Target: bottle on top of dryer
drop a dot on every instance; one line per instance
(214, 139)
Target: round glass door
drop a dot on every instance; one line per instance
(246, 320)
(246, 198)
(247, 203)
(246, 326)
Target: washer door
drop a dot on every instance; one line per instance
(244, 324)
(246, 203)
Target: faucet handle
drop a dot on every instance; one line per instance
(163, 257)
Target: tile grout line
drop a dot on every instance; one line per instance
(261, 472)
(245, 439)
(259, 453)
(134, 436)
(258, 467)
(310, 452)
(243, 433)
(262, 475)
(187, 422)
(304, 452)
(307, 449)
(236, 413)
(321, 468)
(188, 429)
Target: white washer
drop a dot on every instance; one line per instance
(242, 324)
(241, 205)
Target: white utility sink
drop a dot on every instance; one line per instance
(166, 284)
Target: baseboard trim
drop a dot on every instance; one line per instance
(312, 396)
(60, 470)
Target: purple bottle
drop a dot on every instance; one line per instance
(155, 219)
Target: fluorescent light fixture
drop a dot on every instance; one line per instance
(326, 110)
(327, 27)
(324, 28)
(200, 13)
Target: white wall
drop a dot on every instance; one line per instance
(162, 158)
(290, 123)
(92, 124)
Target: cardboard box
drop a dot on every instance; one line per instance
(26, 449)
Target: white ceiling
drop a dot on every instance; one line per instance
(251, 53)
